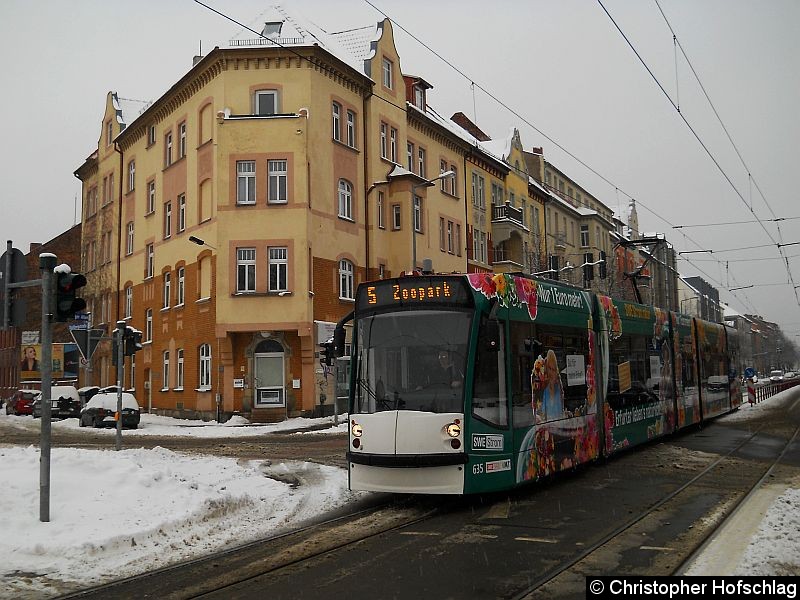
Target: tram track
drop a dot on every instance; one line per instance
(578, 566)
(215, 573)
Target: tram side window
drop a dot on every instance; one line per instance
(634, 372)
(549, 369)
(489, 386)
(688, 367)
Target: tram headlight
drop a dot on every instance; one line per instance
(453, 430)
(356, 429)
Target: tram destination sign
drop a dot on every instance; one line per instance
(413, 291)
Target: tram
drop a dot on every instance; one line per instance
(464, 384)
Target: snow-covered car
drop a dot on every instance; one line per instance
(100, 411)
(776, 375)
(64, 402)
(789, 375)
(21, 403)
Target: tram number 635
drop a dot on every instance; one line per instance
(477, 469)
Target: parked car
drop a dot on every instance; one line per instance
(64, 402)
(789, 375)
(21, 403)
(86, 393)
(776, 375)
(100, 411)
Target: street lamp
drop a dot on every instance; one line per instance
(199, 242)
(426, 183)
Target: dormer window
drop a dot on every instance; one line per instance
(419, 97)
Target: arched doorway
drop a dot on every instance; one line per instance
(269, 375)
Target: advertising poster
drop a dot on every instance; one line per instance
(65, 362)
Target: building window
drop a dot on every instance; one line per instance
(395, 216)
(458, 240)
(182, 140)
(387, 73)
(393, 144)
(129, 240)
(151, 135)
(110, 195)
(245, 182)
(245, 270)
(266, 102)
(167, 289)
(421, 163)
(167, 220)
(181, 287)
(478, 191)
(453, 181)
(443, 183)
(410, 156)
(351, 129)
(337, 128)
(384, 133)
(450, 237)
(345, 200)
(128, 301)
(417, 214)
(346, 280)
(165, 371)
(584, 236)
(181, 212)
(151, 197)
(497, 194)
(278, 176)
(131, 175)
(205, 366)
(278, 269)
(109, 133)
(381, 271)
(381, 198)
(179, 369)
(168, 149)
(149, 260)
(148, 325)
(441, 234)
(419, 97)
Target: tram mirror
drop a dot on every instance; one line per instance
(492, 335)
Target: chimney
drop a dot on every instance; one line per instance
(536, 150)
(463, 121)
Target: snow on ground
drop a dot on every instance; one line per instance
(114, 514)
(166, 426)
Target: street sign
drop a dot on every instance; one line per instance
(86, 339)
(749, 372)
(82, 317)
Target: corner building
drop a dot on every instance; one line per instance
(232, 219)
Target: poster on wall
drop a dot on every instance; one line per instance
(30, 367)
(66, 362)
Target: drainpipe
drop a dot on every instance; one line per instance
(366, 179)
(119, 227)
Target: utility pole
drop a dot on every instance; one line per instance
(47, 262)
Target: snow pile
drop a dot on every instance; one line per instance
(113, 514)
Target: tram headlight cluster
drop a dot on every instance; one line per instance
(357, 431)
(454, 431)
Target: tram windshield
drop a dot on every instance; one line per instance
(411, 360)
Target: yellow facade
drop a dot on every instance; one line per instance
(297, 173)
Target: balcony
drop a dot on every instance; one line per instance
(507, 260)
(507, 220)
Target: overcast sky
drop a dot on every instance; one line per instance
(562, 66)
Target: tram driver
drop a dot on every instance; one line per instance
(445, 372)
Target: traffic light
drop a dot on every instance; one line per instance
(66, 301)
(132, 340)
(602, 267)
(554, 272)
(326, 357)
(588, 267)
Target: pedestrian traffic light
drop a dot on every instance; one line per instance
(603, 269)
(66, 301)
(133, 341)
(554, 271)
